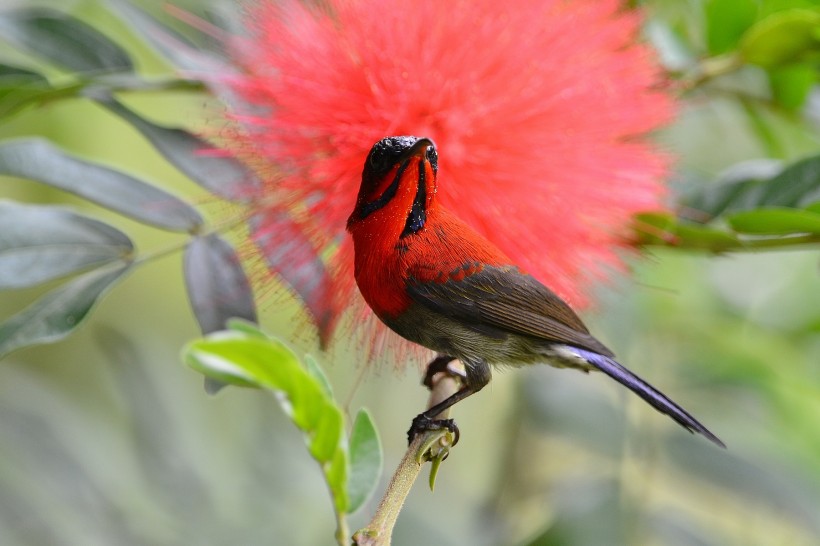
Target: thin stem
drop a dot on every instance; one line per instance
(424, 448)
(220, 227)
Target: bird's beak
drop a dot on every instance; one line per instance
(417, 149)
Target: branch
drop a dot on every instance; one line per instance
(433, 445)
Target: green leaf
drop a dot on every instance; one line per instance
(59, 312)
(174, 46)
(726, 21)
(250, 329)
(336, 474)
(782, 38)
(218, 288)
(39, 243)
(328, 432)
(20, 87)
(665, 229)
(216, 283)
(791, 84)
(223, 176)
(64, 40)
(366, 460)
(38, 159)
(266, 363)
(318, 373)
(235, 356)
(796, 186)
(775, 221)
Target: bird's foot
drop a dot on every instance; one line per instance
(442, 364)
(422, 423)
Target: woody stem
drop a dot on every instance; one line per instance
(380, 529)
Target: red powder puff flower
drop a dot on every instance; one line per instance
(537, 112)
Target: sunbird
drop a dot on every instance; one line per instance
(436, 282)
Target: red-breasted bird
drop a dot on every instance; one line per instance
(435, 281)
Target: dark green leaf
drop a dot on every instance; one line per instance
(63, 40)
(40, 243)
(775, 221)
(221, 175)
(782, 38)
(726, 21)
(56, 314)
(13, 76)
(217, 285)
(366, 460)
(791, 85)
(39, 160)
(217, 288)
(174, 46)
(19, 88)
(796, 186)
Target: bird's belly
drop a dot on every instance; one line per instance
(469, 343)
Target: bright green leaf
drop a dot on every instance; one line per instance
(38, 159)
(791, 84)
(775, 221)
(268, 363)
(64, 40)
(217, 366)
(366, 460)
(318, 373)
(328, 433)
(59, 312)
(696, 237)
(782, 38)
(726, 21)
(218, 288)
(245, 327)
(40, 243)
(336, 474)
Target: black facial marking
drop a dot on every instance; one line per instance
(418, 213)
(389, 193)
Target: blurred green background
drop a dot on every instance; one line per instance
(105, 438)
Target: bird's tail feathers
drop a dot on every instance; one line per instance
(653, 396)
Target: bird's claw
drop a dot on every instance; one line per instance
(422, 423)
(442, 365)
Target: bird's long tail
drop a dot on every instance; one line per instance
(653, 396)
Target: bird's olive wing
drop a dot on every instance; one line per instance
(508, 300)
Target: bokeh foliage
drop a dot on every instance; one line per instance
(105, 439)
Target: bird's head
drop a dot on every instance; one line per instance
(399, 175)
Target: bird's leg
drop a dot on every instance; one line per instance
(477, 375)
(441, 364)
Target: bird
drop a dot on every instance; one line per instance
(435, 281)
